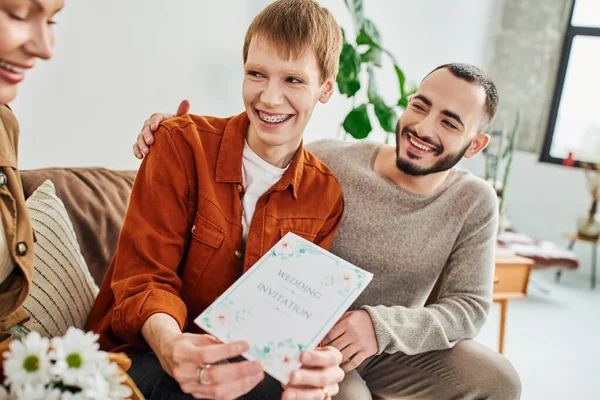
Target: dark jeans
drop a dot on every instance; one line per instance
(156, 384)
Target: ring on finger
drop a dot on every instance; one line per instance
(200, 374)
(326, 395)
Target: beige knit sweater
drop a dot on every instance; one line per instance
(442, 243)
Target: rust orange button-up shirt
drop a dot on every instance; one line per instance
(181, 243)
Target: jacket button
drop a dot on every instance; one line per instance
(239, 188)
(3, 179)
(238, 254)
(21, 248)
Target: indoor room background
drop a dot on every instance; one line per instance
(116, 62)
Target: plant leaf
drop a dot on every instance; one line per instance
(357, 122)
(349, 71)
(373, 55)
(368, 34)
(403, 102)
(401, 80)
(386, 115)
(372, 89)
(348, 88)
(356, 10)
(349, 62)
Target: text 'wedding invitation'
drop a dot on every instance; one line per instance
(285, 304)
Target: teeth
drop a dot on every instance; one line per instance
(273, 119)
(419, 145)
(11, 67)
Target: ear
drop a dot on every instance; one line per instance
(479, 143)
(328, 87)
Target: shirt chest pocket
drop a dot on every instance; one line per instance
(305, 235)
(206, 239)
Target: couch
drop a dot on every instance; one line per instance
(96, 200)
(77, 219)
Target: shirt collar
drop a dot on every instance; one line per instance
(229, 160)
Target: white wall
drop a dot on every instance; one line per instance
(117, 61)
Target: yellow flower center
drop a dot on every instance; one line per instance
(31, 363)
(74, 360)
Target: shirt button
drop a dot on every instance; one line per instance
(239, 188)
(238, 254)
(3, 179)
(21, 249)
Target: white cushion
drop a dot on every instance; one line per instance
(62, 291)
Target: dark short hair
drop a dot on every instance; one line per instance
(472, 74)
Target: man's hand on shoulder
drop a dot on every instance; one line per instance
(354, 336)
(145, 138)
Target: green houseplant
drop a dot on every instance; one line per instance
(362, 55)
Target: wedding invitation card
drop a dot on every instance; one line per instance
(285, 304)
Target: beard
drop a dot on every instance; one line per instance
(443, 164)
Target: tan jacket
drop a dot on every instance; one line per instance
(19, 234)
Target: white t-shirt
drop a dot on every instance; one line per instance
(6, 261)
(259, 176)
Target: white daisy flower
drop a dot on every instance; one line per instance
(77, 356)
(27, 362)
(107, 384)
(74, 396)
(53, 394)
(33, 392)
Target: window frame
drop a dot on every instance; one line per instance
(571, 33)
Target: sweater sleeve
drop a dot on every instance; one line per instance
(465, 291)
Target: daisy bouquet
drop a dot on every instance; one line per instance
(70, 367)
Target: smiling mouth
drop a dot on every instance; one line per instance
(12, 68)
(420, 144)
(273, 118)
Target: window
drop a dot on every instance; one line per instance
(574, 125)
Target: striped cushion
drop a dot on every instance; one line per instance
(62, 291)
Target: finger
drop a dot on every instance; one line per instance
(222, 373)
(338, 330)
(156, 119)
(346, 315)
(349, 352)
(227, 391)
(356, 360)
(184, 108)
(296, 393)
(136, 152)
(190, 349)
(217, 352)
(148, 135)
(317, 377)
(142, 145)
(322, 357)
(341, 342)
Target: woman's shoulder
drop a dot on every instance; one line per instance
(9, 136)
